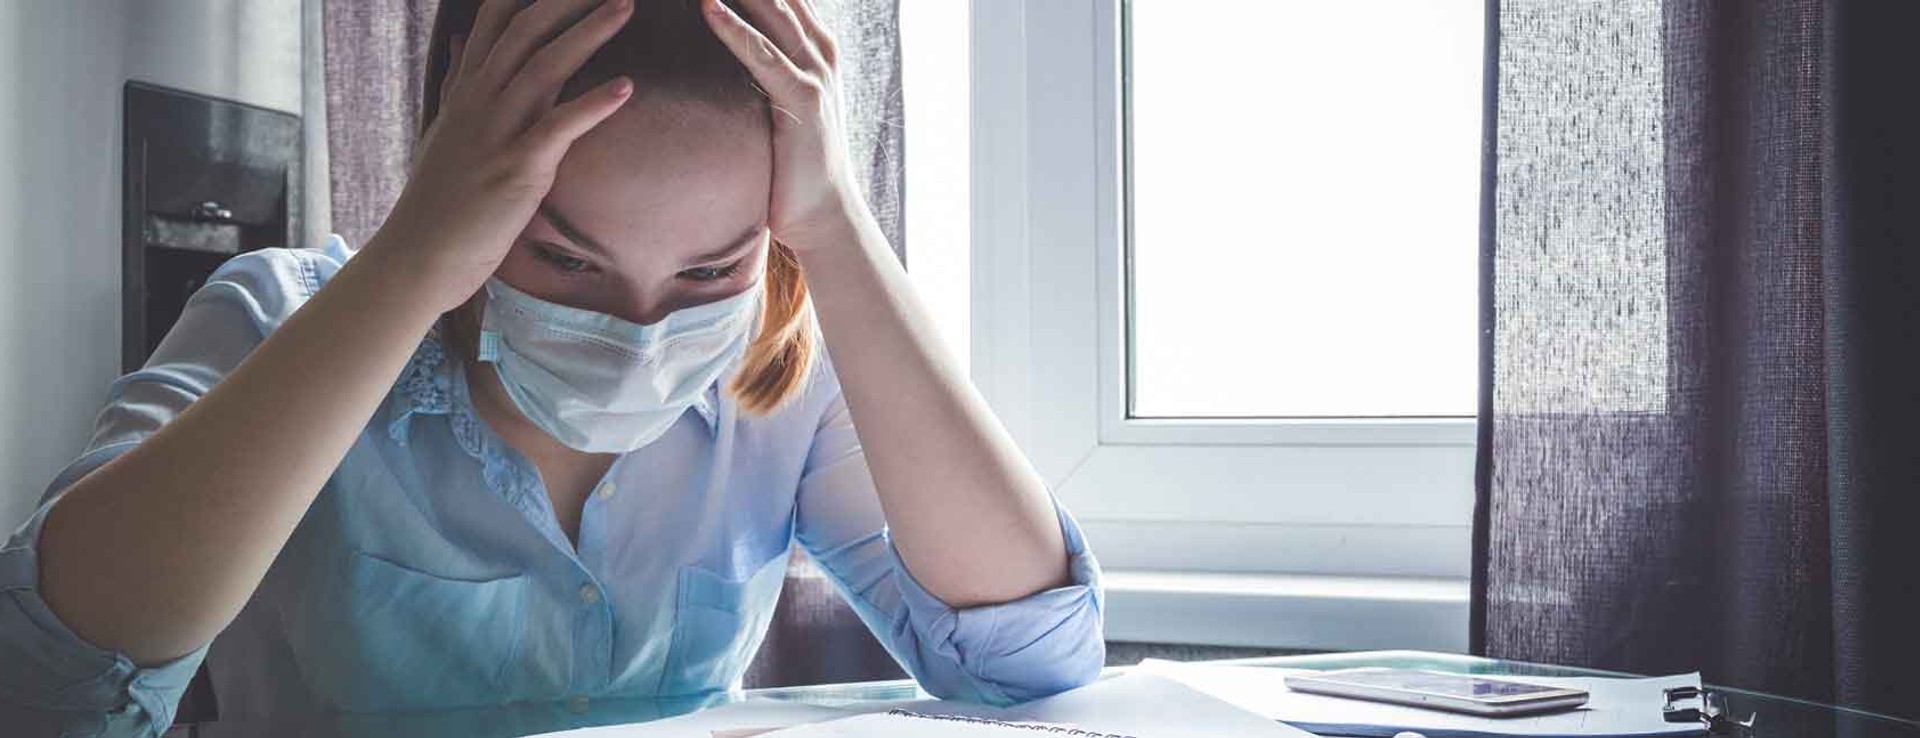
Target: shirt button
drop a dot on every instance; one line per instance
(606, 490)
(578, 704)
(589, 594)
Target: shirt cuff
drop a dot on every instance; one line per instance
(56, 677)
(1042, 644)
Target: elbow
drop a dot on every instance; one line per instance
(1074, 661)
(1068, 655)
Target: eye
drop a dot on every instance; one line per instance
(711, 274)
(564, 262)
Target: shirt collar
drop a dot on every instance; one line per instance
(425, 387)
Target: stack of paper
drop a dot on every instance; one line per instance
(730, 721)
(1161, 699)
(1136, 705)
(901, 726)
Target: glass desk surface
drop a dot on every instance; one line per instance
(1777, 717)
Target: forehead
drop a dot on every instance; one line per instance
(666, 179)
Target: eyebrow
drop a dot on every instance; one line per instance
(573, 233)
(739, 243)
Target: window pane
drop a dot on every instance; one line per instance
(1305, 207)
(934, 40)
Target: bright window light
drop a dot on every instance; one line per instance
(934, 62)
(1305, 201)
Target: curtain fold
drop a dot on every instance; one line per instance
(1701, 450)
(375, 56)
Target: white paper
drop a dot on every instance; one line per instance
(1138, 705)
(724, 721)
(1151, 706)
(1615, 707)
(901, 726)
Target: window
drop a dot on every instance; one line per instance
(1304, 208)
(933, 64)
(1230, 309)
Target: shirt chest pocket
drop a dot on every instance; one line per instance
(719, 622)
(396, 637)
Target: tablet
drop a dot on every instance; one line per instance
(1473, 695)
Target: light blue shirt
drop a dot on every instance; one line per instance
(431, 572)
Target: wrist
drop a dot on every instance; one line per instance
(401, 281)
(845, 226)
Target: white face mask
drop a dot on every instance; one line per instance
(604, 385)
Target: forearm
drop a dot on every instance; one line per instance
(970, 516)
(154, 553)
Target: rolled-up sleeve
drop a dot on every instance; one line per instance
(52, 681)
(1045, 643)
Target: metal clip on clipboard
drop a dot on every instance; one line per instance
(1707, 708)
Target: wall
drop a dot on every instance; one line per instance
(62, 64)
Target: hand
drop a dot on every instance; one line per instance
(489, 157)
(795, 60)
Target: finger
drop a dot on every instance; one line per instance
(817, 31)
(772, 69)
(570, 120)
(487, 26)
(447, 83)
(551, 67)
(776, 20)
(531, 29)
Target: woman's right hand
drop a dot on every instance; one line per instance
(490, 155)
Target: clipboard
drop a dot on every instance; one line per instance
(1672, 706)
(1707, 707)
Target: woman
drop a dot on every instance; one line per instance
(612, 416)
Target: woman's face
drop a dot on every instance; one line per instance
(661, 207)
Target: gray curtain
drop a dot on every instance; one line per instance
(375, 54)
(375, 60)
(1701, 252)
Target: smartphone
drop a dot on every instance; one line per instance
(1472, 695)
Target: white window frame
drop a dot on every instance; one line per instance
(1373, 515)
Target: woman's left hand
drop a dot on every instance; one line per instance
(972, 520)
(815, 200)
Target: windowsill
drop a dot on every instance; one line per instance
(1307, 612)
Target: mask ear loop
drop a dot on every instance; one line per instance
(458, 328)
(765, 303)
(489, 347)
(488, 341)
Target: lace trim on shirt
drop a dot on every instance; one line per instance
(424, 386)
(503, 472)
(432, 385)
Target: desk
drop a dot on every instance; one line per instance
(1779, 717)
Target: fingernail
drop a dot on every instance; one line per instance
(622, 86)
